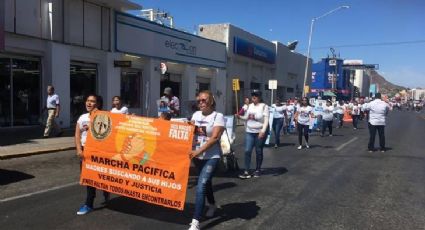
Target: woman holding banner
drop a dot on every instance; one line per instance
(93, 103)
(256, 131)
(206, 152)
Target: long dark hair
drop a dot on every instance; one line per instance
(307, 101)
(99, 100)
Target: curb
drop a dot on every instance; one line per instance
(38, 152)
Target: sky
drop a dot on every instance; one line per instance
(390, 33)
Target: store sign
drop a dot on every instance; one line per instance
(138, 36)
(251, 50)
(125, 64)
(2, 21)
(272, 84)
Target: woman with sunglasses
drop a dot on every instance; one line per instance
(206, 153)
(256, 130)
(302, 121)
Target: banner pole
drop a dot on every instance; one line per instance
(236, 100)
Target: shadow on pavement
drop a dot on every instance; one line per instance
(21, 135)
(142, 209)
(246, 211)
(12, 176)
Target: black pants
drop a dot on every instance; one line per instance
(91, 193)
(302, 129)
(327, 124)
(355, 120)
(372, 133)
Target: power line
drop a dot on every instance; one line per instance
(371, 44)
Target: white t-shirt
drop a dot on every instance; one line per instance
(355, 110)
(123, 110)
(52, 101)
(255, 116)
(340, 109)
(327, 113)
(83, 124)
(304, 115)
(378, 110)
(279, 111)
(290, 110)
(204, 129)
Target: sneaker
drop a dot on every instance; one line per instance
(84, 210)
(245, 175)
(211, 210)
(321, 135)
(307, 146)
(257, 173)
(275, 146)
(383, 150)
(371, 151)
(330, 135)
(300, 147)
(194, 225)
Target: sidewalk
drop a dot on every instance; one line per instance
(26, 141)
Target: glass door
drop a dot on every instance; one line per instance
(19, 91)
(5, 87)
(26, 91)
(83, 82)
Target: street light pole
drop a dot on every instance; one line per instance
(309, 42)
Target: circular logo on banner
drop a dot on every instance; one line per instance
(101, 126)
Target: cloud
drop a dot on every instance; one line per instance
(405, 76)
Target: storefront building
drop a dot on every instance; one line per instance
(254, 61)
(84, 47)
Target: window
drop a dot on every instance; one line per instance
(131, 88)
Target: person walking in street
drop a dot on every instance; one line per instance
(279, 117)
(327, 118)
(171, 101)
(243, 109)
(302, 116)
(117, 106)
(256, 131)
(378, 111)
(93, 103)
(53, 109)
(290, 110)
(340, 109)
(355, 114)
(206, 153)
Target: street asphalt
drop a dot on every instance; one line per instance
(336, 184)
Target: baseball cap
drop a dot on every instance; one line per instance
(256, 92)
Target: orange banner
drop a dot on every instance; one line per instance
(138, 157)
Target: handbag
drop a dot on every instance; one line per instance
(229, 160)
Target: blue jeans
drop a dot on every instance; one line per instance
(204, 187)
(340, 119)
(277, 128)
(251, 141)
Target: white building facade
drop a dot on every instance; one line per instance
(92, 46)
(255, 61)
(359, 78)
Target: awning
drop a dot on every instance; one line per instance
(329, 94)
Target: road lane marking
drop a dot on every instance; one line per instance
(346, 143)
(38, 192)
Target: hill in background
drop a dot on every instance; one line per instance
(384, 86)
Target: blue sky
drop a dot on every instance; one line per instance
(367, 22)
